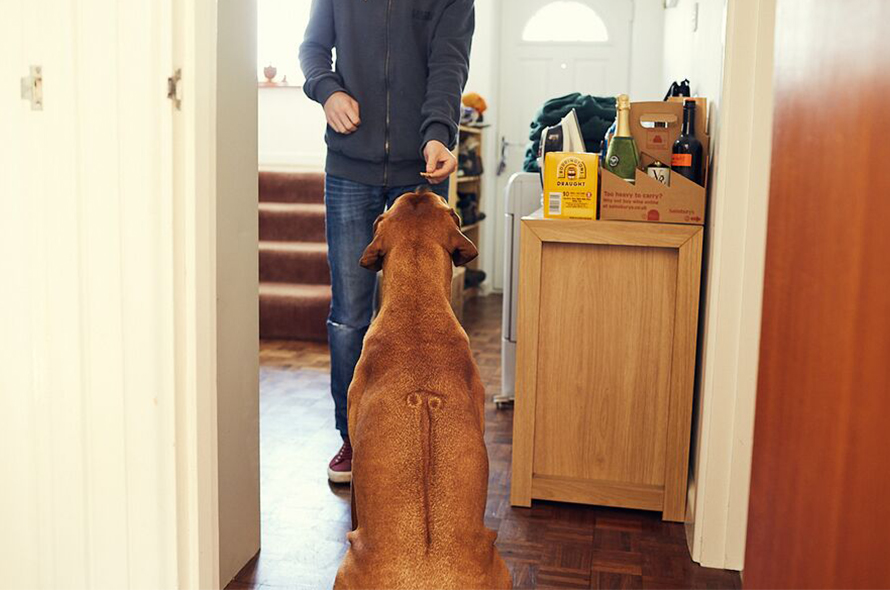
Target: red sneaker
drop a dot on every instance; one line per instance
(340, 467)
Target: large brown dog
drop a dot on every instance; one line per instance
(420, 468)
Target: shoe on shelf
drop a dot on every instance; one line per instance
(340, 467)
(473, 278)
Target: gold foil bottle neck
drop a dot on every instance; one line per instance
(623, 127)
(623, 102)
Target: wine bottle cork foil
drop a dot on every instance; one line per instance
(623, 102)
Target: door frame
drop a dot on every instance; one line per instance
(193, 137)
(718, 493)
(717, 506)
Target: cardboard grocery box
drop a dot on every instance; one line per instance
(655, 126)
(570, 185)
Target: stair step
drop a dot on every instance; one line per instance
(294, 262)
(294, 312)
(292, 222)
(291, 187)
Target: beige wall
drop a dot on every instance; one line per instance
(237, 276)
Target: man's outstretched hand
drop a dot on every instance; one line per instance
(440, 162)
(342, 113)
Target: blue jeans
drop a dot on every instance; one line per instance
(350, 211)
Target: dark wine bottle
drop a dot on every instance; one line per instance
(687, 158)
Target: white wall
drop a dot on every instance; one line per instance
(237, 287)
(291, 130)
(484, 60)
(695, 54)
(694, 50)
(647, 43)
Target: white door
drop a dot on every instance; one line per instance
(550, 49)
(107, 387)
(89, 400)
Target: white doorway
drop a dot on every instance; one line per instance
(540, 61)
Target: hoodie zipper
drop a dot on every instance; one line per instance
(386, 145)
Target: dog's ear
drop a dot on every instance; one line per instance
(461, 248)
(372, 258)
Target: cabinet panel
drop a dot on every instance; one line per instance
(607, 316)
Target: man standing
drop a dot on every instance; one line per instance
(392, 104)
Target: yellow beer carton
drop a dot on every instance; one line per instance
(570, 185)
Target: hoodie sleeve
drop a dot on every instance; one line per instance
(449, 65)
(316, 54)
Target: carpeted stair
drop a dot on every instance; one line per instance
(295, 281)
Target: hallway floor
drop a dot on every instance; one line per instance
(305, 519)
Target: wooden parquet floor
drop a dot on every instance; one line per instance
(552, 545)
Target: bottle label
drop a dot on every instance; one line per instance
(681, 160)
(662, 175)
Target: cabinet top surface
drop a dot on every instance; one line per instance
(630, 233)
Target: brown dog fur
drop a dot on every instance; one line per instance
(420, 468)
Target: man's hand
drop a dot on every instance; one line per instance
(440, 162)
(342, 113)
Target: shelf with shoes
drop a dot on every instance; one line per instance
(466, 197)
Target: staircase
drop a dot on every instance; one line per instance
(295, 281)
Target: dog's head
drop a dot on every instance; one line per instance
(415, 217)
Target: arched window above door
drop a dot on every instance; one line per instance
(565, 21)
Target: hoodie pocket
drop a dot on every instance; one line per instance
(365, 143)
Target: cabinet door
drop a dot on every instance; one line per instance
(608, 314)
(604, 348)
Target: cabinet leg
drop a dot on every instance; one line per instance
(520, 496)
(674, 508)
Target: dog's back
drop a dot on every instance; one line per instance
(420, 467)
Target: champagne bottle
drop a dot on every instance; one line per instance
(622, 157)
(687, 156)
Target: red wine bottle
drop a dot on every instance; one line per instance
(687, 157)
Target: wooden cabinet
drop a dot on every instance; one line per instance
(608, 318)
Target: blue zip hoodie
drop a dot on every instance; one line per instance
(406, 63)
